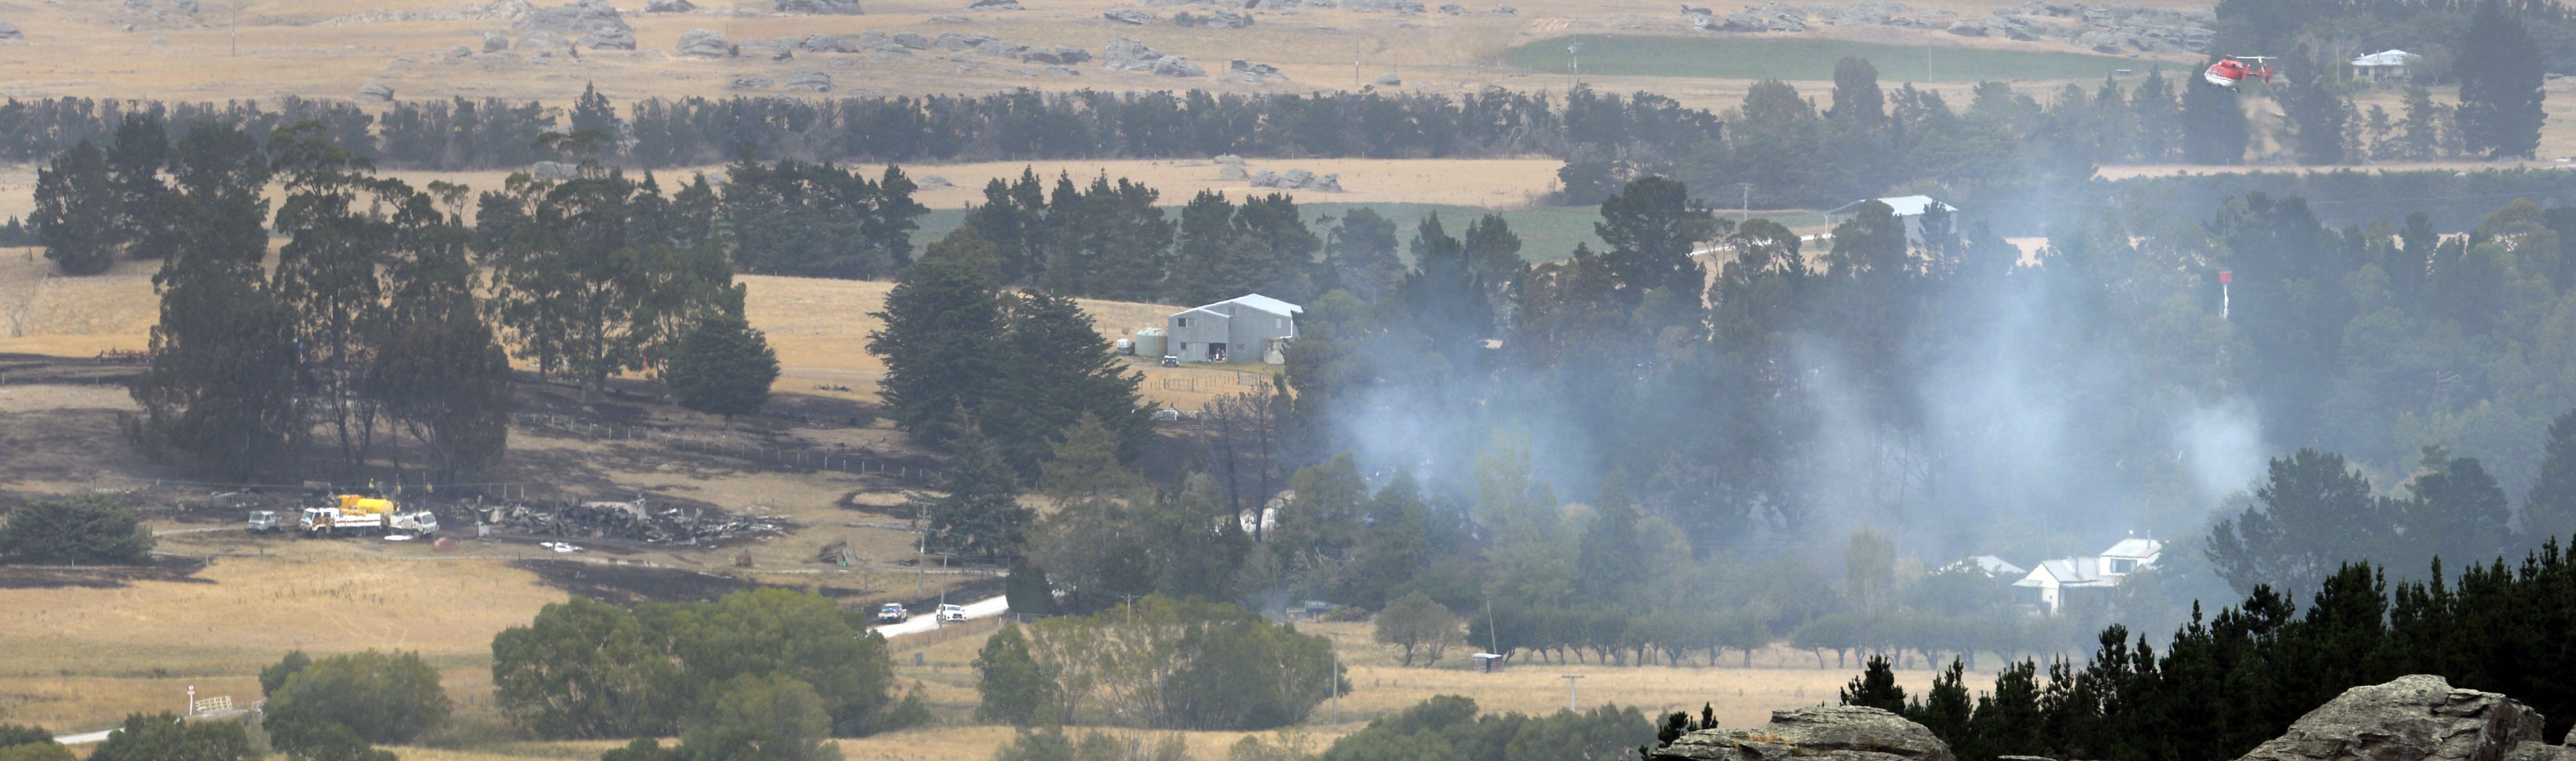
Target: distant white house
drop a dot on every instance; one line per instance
(1908, 209)
(1234, 329)
(2384, 65)
(2054, 577)
(1990, 565)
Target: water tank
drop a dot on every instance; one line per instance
(1149, 343)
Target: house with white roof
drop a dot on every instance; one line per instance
(1235, 329)
(1909, 209)
(2384, 65)
(2054, 579)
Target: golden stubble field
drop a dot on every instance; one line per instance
(264, 49)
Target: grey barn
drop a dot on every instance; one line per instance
(1242, 328)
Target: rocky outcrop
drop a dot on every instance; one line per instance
(1128, 16)
(1128, 54)
(2415, 718)
(543, 42)
(819, 7)
(750, 82)
(459, 51)
(669, 6)
(9, 31)
(809, 79)
(555, 170)
(1827, 733)
(994, 5)
(375, 92)
(609, 39)
(704, 43)
(1250, 72)
(578, 18)
(494, 42)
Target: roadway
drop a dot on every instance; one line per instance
(924, 621)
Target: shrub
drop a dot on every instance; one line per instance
(164, 738)
(1014, 689)
(82, 529)
(383, 698)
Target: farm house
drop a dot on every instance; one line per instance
(2054, 578)
(1233, 329)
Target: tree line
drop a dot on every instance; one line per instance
(1020, 124)
(374, 323)
(2493, 627)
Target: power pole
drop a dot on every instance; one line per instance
(1746, 211)
(1573, 54)
(1569, 690)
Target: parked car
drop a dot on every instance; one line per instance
(1170, 360)
(893, 613)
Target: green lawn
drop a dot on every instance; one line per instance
(1734, 57)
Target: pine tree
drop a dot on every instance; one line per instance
(1013, 218)
(2421, 130)
(1085, 464)
(724, 367)
(1875, 687)
(2316, 110)
(939, 343)
(1651, 227)
(77, 211)
(593, 113)
(980, 514)
(2500, 85)
(2550, 511)
(1062, 369)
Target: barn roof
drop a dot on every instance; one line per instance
(1905, 206)
(2390, 57)
(1256, 301)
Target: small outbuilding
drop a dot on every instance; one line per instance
(1909, 209)
(1235, 329)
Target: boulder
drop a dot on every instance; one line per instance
(459, 51)
(1062, 71)
(1232, 172)
(1265, 179)
(809, 79)
(1228, 160)
(578, 18)
(1129, 54)
(750, 82)
(1388, 79)
(994, 5)
(547, 42)
(1825, 733)
(933, 181)
(1505, 10)
(1295, 178)
(819, 7)
(1251, 72)
(1453, 9)
(955, 41)
(494, 42)
(1176, 66)
(1968, 29)
(376, 92)
(2415, 718)
(1228, 19)
(1128, 16)
(1330, 183)
(609, 39)
(948, 19)
(829, 43)
(554, 170)
(669, 6)
(704, 43)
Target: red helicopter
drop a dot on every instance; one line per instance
(2233, 70)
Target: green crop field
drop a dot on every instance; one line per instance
(1807, 59)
